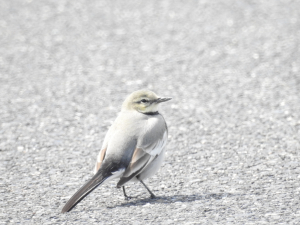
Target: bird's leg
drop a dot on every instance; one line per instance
(124, 192)
(152, 195)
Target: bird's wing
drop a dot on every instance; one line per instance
(112, 166)
(143, 157)
(100, 159)
(102, 152)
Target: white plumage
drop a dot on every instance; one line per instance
(133, 148)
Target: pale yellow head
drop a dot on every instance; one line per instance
(143, 101)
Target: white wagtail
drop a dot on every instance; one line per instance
(133, 148)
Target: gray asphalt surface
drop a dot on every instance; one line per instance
(232, 68)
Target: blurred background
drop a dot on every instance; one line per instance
(231, 67)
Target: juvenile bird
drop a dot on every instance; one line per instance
(133, 148)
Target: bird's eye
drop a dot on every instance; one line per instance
(144, 100)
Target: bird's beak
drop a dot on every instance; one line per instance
(159, 100)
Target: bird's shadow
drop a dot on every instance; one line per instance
(171, 199)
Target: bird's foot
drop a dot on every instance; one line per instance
(127, 198)
(125, 195)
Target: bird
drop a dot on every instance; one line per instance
(133, 148)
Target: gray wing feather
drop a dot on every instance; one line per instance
(139, 161)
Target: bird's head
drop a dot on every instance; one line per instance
(143, 101)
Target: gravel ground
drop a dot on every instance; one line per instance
(232, 68)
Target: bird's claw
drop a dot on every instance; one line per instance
(152, 196)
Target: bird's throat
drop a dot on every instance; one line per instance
(151, 113)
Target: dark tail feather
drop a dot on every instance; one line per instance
(87, 188)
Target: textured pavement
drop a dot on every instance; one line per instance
(232, 69)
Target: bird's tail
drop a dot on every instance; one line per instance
(87, 188)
